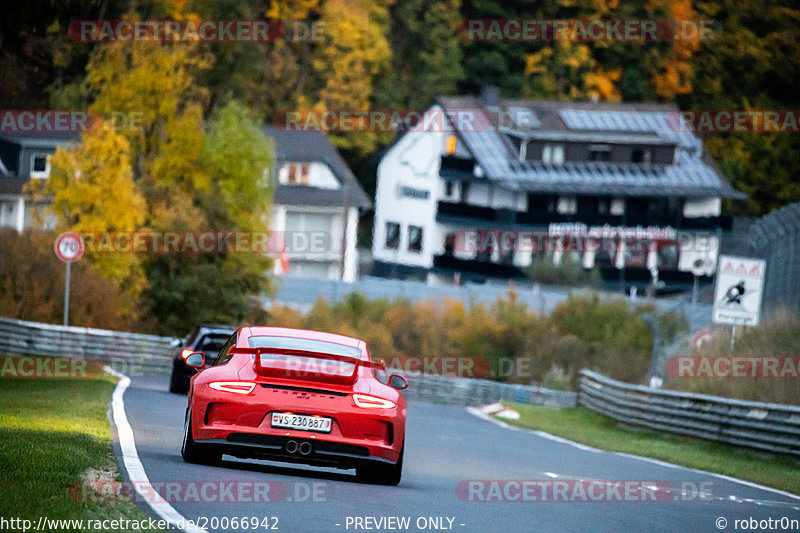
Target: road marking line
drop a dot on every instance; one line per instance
(479, 414)
(550, 474)
(133, 464)
(548, 436)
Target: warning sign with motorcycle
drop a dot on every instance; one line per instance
(737, 297)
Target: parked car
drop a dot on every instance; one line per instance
(297, 396)
(205, 338)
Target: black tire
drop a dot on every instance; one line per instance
(202, 454)
(382, 474)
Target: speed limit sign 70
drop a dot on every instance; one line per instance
(69, 247)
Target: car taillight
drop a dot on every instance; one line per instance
(372, 402)
(236, 387)
(185, 353)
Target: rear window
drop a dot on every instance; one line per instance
(291, 343)
(211, 343)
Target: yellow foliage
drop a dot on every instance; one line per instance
(603, 84)
(291, 9)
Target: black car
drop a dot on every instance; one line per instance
(206, 338)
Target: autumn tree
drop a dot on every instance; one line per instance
(426, 57)
(92, 190)
(32, 286)
(355, 51)
(188, 173)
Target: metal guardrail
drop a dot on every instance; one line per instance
(149, 353)
(144, 352)
(475, 392)
(763, 426)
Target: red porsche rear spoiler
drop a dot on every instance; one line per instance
(288, 369)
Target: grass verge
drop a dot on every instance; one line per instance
(593, 429)
(54, 434)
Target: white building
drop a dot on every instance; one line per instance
(316, 194)
(24, 157)
(623, 188)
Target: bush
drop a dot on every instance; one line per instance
(32, 286)
(569, 272)
(671, 326)
(778, 335)
(582, 332)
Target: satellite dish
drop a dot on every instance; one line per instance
(701, 267)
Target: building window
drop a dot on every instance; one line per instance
(450, 244)
(667, 255)
(599, 152)
(507, 247)
(392, 236)
(485, 251)
(40, 165)
(553, 154)
(415, 239)
(8, 215)
(641, 155)
(449, 188)
(295, 174)
(464, 191)
(542, 202)
(636, 254)
(593, 205)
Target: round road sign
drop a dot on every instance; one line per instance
(69, 247)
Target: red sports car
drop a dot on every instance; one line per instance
(298, 396)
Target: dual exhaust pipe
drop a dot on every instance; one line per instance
(293, 447)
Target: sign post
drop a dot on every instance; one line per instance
(737, 297)
(68, 248)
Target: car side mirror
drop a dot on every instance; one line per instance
(396, 381)
(196, 360)
(175, 343)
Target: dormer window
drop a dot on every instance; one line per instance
(40, 166)
(599, 152)
(294, 174)
(642, 155)
(553, 154)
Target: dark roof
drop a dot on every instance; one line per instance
(692, 175)
(10, 184)
(314, 146)
(47, 139)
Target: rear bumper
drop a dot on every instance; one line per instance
(242, 427)
(276, 448)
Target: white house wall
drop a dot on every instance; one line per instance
(704, 207)
(327, 263)
(412, 163)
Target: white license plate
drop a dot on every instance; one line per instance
(322, 424)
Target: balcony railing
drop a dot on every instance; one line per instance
(457, 167)
(543, 218)
(477, 267)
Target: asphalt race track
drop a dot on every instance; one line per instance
(445, 445)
